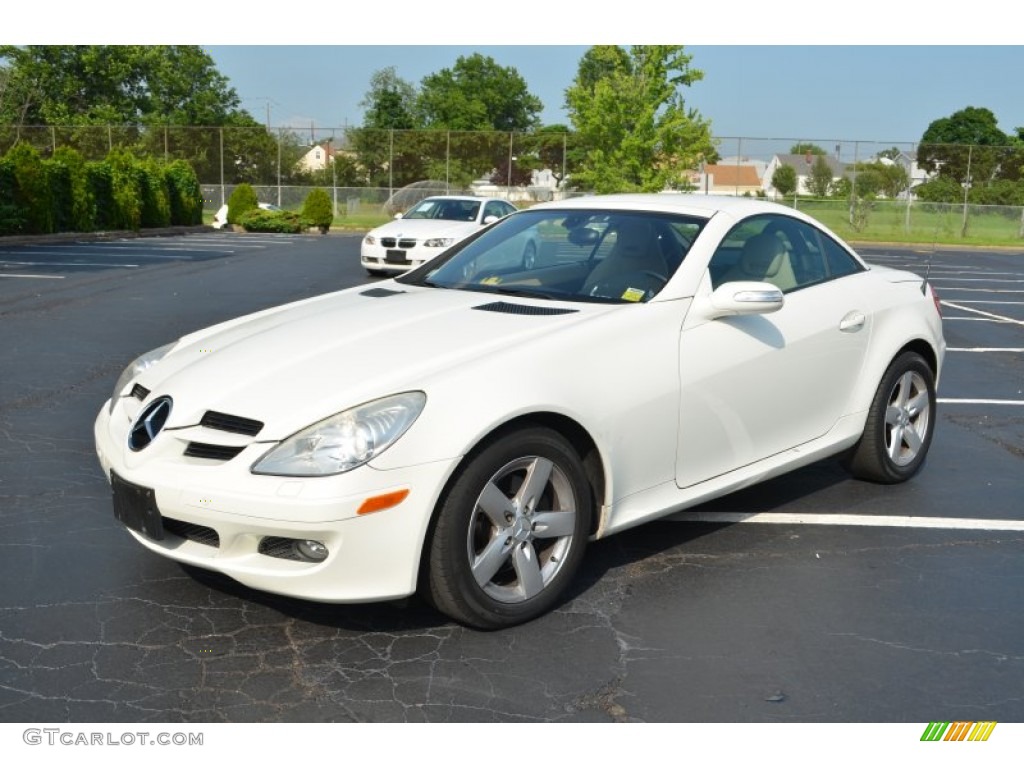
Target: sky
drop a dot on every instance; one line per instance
(879, 72)
(885, 94)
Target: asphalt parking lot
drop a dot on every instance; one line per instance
(812, 597)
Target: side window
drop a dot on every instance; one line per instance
(837, 260)
(757, 249)
(785, 252)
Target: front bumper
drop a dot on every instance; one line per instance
(371, 557)
(375, 258)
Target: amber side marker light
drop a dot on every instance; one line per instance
(384, 501)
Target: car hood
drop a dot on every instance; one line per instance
(291, 366)
(421, 228)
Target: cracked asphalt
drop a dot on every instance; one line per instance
(671, 622)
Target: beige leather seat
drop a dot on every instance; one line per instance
(764, 259)
(635, 251)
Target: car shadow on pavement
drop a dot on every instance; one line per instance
(630, 547)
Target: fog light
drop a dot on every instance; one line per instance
(314, 551)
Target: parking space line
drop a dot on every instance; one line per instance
(985, 349)
(880, 521)
(975, 401)
(1001, 318)
(35, 277)
(64, 264)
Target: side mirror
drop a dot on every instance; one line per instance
(398, 215)
(490, 219)
(745, 298)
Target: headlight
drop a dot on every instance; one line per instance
(439, 242)
(344, 441)
(137, 366)
(370, 240)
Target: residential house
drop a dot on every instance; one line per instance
(318, 157)
(722, 179)
(802, 164)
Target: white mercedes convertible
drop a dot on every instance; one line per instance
(464, 430)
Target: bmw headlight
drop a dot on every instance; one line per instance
(137, 366)
(344, 441)
(439, 242)
(370, 240)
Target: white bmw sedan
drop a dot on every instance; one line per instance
(426, 230)
(464, 430)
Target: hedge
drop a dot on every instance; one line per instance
(64, 193)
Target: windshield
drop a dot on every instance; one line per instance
(579, 255)
(450, 210)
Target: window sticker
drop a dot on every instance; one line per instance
(492, 280)
(633, 294)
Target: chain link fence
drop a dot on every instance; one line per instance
(364, 169)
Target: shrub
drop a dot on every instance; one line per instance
(31, 189)
(99, 180)
(186, 196)
(242, 200)
(81, 214)
(317, 210)
(127, 182)
(259, 220)
(154, 196)
(11, 221)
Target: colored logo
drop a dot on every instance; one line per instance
(959, 731)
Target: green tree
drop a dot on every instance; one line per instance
(477, 94)
(969, 136)
(819, 181)
(390, 102)
(784, 180)
(806, 148)
(118, 84)
(628, 112)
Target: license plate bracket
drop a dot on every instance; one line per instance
(395, 257)
(135, 506)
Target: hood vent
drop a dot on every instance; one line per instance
(379, 293)
(225, 422)
(523, 309)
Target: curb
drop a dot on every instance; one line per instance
(88, 237)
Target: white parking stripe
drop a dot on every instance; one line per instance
(63, 264)
(1001, 318)
(35, 277)
(975, 401)
(881, 521)
(985, 349)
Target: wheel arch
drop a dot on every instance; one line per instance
(579, 438)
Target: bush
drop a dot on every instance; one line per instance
(11, 221)
(155, 208)
(318, 210)
(31, 189)
(242, 200)
(81, 213)
(99, 180)
(186, 196)
(127, 183)
(259, 220)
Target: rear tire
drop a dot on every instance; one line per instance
(900, 423)
(510, 531)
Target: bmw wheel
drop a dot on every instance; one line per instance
(511, 531)
(900, 423)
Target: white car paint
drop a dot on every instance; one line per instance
(680, 399)
(220, 218)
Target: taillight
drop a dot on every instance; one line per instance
(935, 298)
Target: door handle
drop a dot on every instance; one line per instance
(852, 322)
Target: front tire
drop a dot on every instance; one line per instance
(900, 423)
(510, 532)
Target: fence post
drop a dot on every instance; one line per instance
(223, 198)
(967, 188)
(391, 163)
(280, 138)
